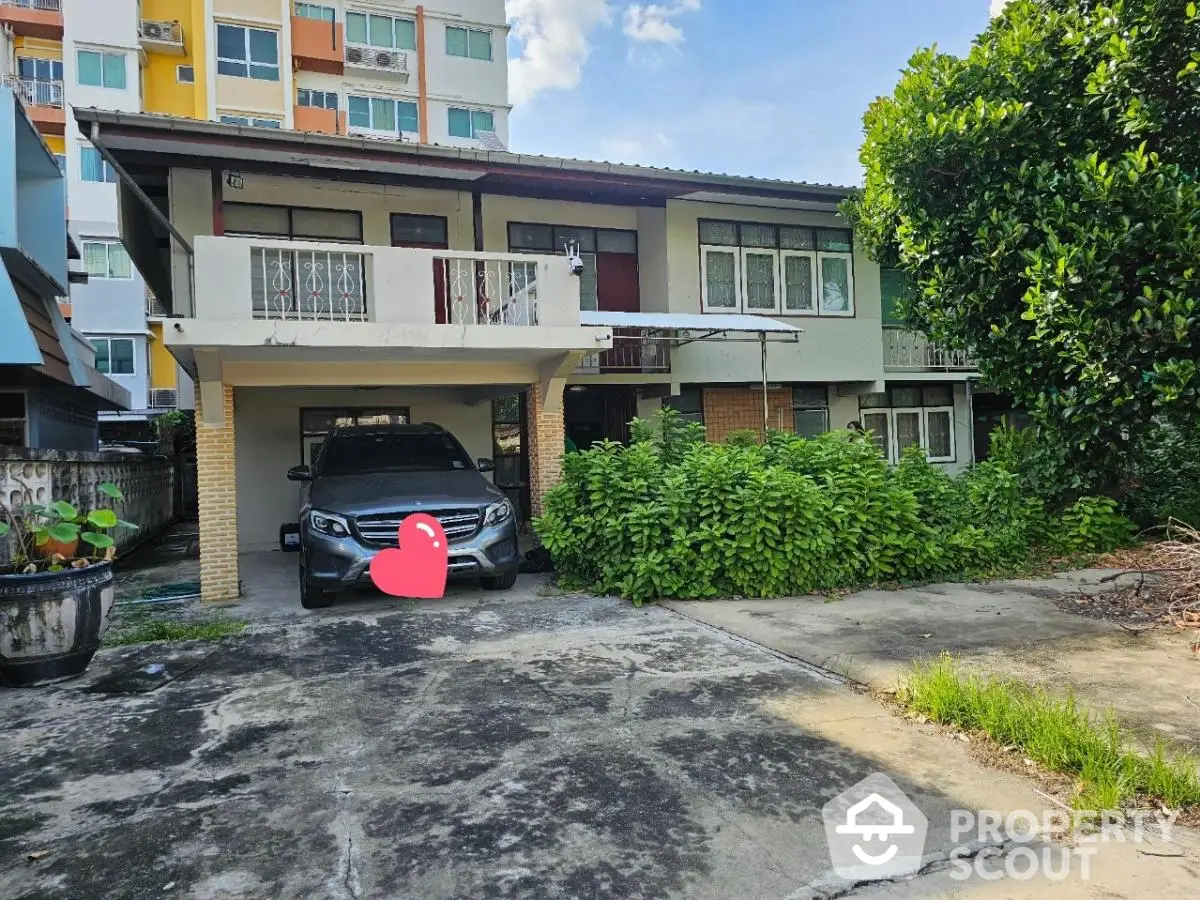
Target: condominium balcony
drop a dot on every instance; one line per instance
(43, 100)
(257, 293)
(394, 62)
(908, 351)
(318, 45)
(40, 19)
(161, 37)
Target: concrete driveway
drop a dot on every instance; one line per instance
(524, 745)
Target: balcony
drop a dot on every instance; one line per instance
(161, 37)
(40, 19)
(318, 46)
(907, 351)
(292, 309)
(318, 119)
(634, 352)
(43, 101)
(392, 61)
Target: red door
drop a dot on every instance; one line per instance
(439, 271)
(617, 290)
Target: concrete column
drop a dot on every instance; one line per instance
(546, 439)
(217, 489)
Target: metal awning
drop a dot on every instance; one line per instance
(713, 323)
(678, 329)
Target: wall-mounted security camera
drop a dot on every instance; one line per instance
(574, 260)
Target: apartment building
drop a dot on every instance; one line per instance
(50, 390)
(434, 73)
(320, 279)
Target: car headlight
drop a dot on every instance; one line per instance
(498, 512)
(328, 523)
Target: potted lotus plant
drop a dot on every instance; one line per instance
(56, 591)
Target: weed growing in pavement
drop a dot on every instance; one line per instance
(1054, 732)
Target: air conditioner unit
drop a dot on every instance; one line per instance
(159, 31)
(163, 398)
(354, 54)
(385, 60)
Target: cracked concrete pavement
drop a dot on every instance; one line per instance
(524, 746)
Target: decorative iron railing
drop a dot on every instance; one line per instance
(908, 351)
(633, 352)
(308, 285)
(473, 291)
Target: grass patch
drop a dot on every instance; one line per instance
(1057, 734)
(149, 630)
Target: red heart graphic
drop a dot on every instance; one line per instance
(418, 568)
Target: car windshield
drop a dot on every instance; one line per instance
(390, 451)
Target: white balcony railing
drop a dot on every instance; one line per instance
(36, 93)
(905, 350)
(308, 285)
(378, 58)
(481, 291)
(315, 281)
(45, 5)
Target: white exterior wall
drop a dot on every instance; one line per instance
(268, 444)
(229, 95)
(471, 83)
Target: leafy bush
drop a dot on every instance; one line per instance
(1166, 478)
(1092, 525)
(673, 516)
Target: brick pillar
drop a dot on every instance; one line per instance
(217, 489)
(547, 439)
(737, 409)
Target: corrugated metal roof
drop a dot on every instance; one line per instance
(179, 124)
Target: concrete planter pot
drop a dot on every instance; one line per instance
(51, 623)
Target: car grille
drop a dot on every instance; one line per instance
(459, 524)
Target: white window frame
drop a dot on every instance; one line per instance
(923, 413)
(361, 129)
(108, 244)
(819, 283)
(108, 175)
(249, 121)
(744, 283)
(325, 95)
(179, 70)
(108, 339)
(379, 15)
(246, 60)
(705, 250)
(315, 6)
(102, 53)
(469, 30)
(811, 256)
(926, 411)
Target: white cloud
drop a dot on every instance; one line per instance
(998, 7)
(645, 149)
(555, 43)
(654, 23)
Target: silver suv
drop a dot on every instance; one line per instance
(368, 478)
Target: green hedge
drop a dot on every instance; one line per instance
(671, 516)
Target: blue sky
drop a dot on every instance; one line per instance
(772, 88)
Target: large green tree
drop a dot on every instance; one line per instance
(1042, 195)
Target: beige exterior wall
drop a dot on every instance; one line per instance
(268, 444)
(262, 10)
(246, 95)
(498, 211)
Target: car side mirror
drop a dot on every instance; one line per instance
(485, 465)
(299, 473)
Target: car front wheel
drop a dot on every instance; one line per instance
(499, 582)
(311, 596)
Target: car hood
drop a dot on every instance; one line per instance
(360, 495)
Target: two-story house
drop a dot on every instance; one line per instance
(310, 279)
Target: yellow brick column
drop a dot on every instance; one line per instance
(217, 487)
(546, 440)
